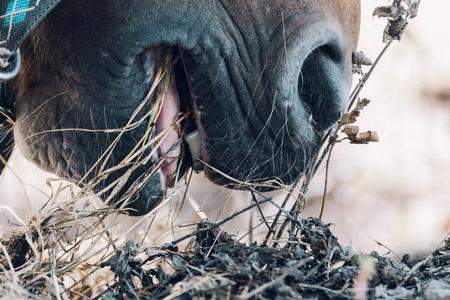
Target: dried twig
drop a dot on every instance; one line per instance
(215, 225)
(400, 12)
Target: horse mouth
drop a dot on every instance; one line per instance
(251, 127)
(180, 145)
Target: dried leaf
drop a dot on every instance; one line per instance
(399, 13)
(350, 118)
(362, 103)
(383, 11)
(338, 265)
(360, 59)
(395, 28)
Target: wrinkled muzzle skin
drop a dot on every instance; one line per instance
(263, 78)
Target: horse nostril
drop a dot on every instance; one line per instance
(313, 78)
(323, 85)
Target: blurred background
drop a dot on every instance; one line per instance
(395, 192)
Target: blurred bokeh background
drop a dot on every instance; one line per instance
(395, 192)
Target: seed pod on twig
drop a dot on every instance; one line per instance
(365, 138)
(351, 130)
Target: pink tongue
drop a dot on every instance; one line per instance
(170, 147)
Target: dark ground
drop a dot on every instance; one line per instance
(314, 266)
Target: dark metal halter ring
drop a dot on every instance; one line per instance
(9, 64)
